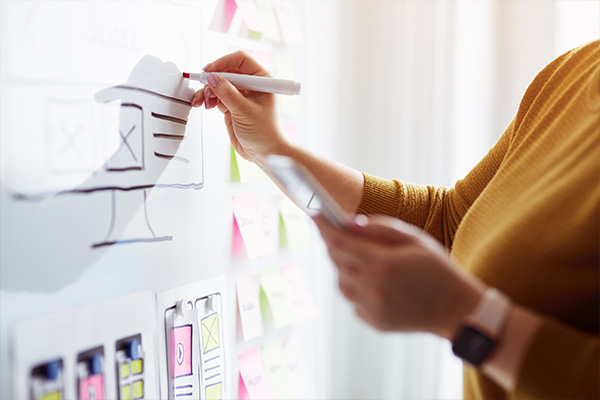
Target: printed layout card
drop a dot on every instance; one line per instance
(193, 329)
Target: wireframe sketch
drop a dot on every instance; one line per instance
(154, 105)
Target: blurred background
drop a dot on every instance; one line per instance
(419, 91)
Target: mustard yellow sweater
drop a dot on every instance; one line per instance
(526, 220)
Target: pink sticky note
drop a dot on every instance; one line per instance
(237, 240)
(224, 12)
(289, 129)
(251, 15)
(254, 375)
(303, 303)
(242, 392)
(92, 388)
(181, 350)
(250, 225)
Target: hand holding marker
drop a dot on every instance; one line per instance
(251, 82)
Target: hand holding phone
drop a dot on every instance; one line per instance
(304, 190)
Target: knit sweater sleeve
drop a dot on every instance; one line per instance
(560, 363)
(437, 210)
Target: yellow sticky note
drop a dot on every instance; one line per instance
(266, 11)
(277, 369)
(284, 68)
(275, 299)
(294, 230)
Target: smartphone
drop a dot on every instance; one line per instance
(304, 190)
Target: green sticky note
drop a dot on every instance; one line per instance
(235, 171)
(294, 231)
(277, 370)
(275, 299)
(245, 171)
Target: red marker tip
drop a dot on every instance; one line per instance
(186, 75)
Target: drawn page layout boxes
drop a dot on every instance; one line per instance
(192, 333)
(80, 349)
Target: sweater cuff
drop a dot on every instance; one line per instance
(559, 363)
(380, 196)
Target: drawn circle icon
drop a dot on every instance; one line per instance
(180, 354)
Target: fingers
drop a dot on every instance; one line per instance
(345, 248)
(228, 94)
(384, 230)
(198, 98)
(239, 62)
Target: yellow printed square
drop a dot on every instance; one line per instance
(51, 396)
(138, 389)
(137, 367)
(210, 333)
(124, 370)
(214, 392)
(126, 392)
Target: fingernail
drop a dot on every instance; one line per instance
(360, 220)
(207, 93)
(206, 66)
(212, 79)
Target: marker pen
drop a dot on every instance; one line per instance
(251, 82)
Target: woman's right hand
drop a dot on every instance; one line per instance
(250, 117)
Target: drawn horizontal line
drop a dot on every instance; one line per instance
(124, 169)
(129, 241)
(183, 387)
(169, 118)
(211, 368)
(214, 376)
(175, 158)
(210, 359)
(183, 394)
(169, 136)
(45, 195)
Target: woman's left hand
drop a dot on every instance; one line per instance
(398, 278)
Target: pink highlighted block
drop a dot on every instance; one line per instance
(92, 388)
(181, 351)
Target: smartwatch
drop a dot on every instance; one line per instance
(482, 328)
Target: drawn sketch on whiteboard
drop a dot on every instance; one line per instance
(151, 127)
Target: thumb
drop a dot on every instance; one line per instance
(226, 92)
(384, 230)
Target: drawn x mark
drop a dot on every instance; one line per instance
(70, 141)
(124, 141)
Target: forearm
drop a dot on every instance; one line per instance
(346, 185)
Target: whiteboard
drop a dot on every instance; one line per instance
(110, 183)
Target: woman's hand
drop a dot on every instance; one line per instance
(398, 278)
(250, 117)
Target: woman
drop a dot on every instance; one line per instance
(516, 288)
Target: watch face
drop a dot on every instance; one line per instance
(472, 346)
